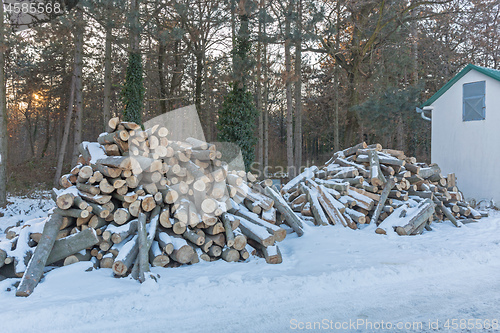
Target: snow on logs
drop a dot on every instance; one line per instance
(183, 190)
(368, 184)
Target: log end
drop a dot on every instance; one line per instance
(119, 268)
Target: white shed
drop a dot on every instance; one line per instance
(466, 131)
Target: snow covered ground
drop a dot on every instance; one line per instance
(331, 279)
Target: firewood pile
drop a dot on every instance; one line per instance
(136, 199)
(367, 184)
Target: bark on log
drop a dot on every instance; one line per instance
(290, 217)
(118, 162)
(143, 254)
(3, 256)
(353, 150)
(193, 237)
(278, 233)
(228, 228)
(126, 257)
(64, 200)
(230, 254)
(37, 263)
(376, 176)
(157, 257)
(77, 257)
(107, 171)
(183, 253)
(255, 232)
(244, 254)
(383, 197)
(165, 242)
(98, 199)
(215, 251)
(340, 187)
(318, 213)
(433, 169)
(307, 173)
(272, 254)
(425, 211)
(446, 212)
(72, 244)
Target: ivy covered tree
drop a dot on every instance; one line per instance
(133, 90)
(238, 113)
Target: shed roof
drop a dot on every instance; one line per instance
(493, 73)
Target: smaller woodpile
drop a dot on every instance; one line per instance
(137, 199)
(367, 184)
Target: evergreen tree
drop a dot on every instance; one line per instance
(238, 113)
(133, 90)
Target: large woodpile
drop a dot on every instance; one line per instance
(136, 199)
(367, 184)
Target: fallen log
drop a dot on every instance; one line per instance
(278, 233)
(383, 197)
(307, 173)
(157, 257)
(376, 176)
(290, 217)
(72, 244)
(317, 212)
(255, 232)
(226, 220)
(126, 257)
(424, 212)
(272, 253)
(183, 253)
(230, 254)
(38, 261)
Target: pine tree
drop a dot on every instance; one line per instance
(238, 113)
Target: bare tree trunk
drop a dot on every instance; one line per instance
(233, 30)
(79, 29)
(336, 135)
(67, 126)
(288, 85)
(106, 109)
(414, 45)
(134, 27)
(3, 116)
(162, 49)
(198, 88)
(258, 88)
(400, 132)
(352, 126)
(176, 80)
(266, 102)
(29, 127)
(206, 106)
(298, 90)
(47, 125)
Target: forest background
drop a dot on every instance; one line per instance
(321, 74)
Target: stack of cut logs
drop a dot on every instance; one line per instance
(134, 194)
(367, 184)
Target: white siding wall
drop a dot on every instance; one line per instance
(470, 149)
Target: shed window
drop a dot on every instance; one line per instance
(474, 106)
